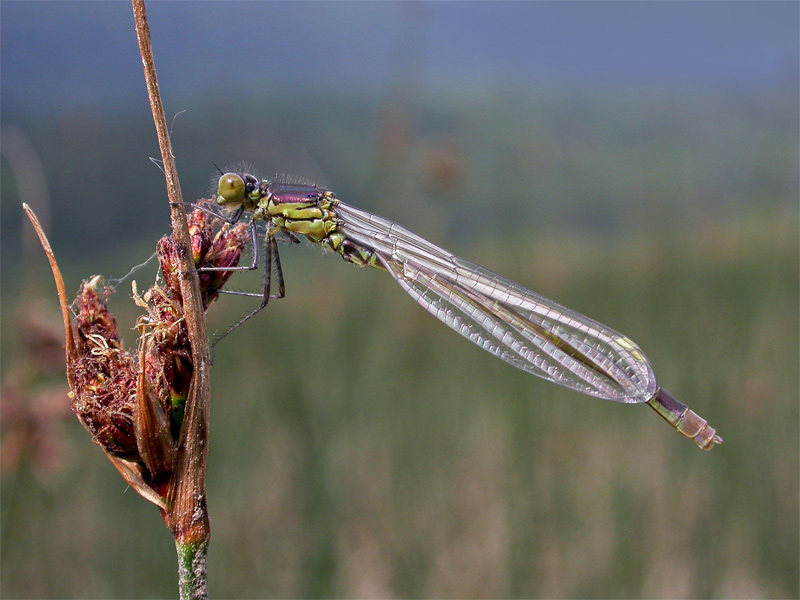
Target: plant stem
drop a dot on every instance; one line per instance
(192, 580)
(186, 514)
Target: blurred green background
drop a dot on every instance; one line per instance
(637, 162)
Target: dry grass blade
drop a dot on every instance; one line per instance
(70, 348)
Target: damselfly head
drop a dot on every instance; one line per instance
(236, 189)
(230, 189)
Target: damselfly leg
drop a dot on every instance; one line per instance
(272, 257)
(271, 254)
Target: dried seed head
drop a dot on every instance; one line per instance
(104, 391)
(168, 353)
(208, 250)
(225, 252)
(168, 359)
(169, 261)
(133, 404)
(201, 234)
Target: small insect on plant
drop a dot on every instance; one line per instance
(515, 324)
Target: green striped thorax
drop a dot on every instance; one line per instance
(300, 208)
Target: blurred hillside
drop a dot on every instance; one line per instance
(603, 163)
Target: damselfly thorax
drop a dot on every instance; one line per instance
(298, 208)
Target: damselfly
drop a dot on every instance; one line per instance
(515, 324)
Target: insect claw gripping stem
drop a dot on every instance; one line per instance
(184, 204)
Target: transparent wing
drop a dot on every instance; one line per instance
(515, 324)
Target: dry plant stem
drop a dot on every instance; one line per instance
(186, 513)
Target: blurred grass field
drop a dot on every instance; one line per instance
(360, 449)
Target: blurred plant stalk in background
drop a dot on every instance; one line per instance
(32, 402)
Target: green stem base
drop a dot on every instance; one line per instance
(192, 578)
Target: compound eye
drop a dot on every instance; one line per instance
(230, 188)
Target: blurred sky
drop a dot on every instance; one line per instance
(52, 53)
